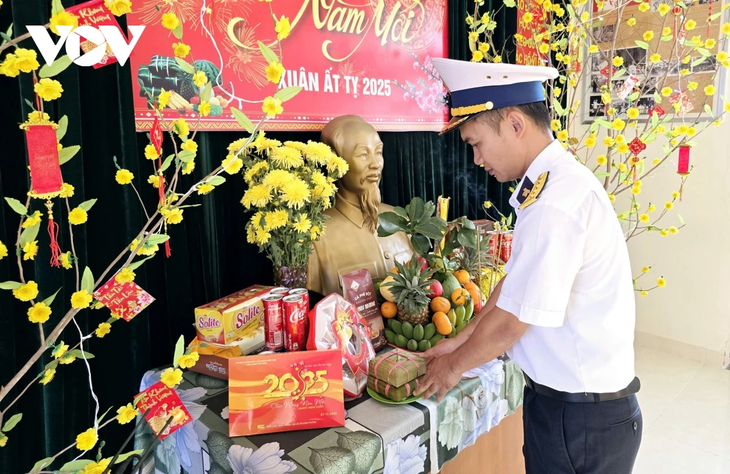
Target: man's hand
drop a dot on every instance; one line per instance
(439, 379)
(442, 348)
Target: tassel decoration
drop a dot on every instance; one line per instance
(53, 235)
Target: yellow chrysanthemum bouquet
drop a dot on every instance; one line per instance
(630, 74)
(290, 185)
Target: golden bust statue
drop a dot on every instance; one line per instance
(350, 241)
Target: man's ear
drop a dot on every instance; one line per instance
(517, 123)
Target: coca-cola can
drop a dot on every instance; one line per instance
(295, 335)
(505, 248)
(274, 322)
(493, 243)
(280, 290)
(305, 302)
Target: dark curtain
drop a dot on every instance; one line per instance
(210, 256)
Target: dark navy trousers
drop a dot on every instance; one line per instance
(580, 438)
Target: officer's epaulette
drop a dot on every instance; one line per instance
(530, 191)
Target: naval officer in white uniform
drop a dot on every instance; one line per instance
(565, 311)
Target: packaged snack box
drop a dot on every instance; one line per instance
(232, 318)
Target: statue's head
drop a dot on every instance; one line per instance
(359, 144)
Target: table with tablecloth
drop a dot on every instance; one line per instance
(377, 438)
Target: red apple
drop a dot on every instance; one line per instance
(436, 289)
(423, 262)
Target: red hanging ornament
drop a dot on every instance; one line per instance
(53, 234)
(156, 135)
(658, 110)
(683, 162)
(637, 146)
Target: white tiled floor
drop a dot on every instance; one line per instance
(686, 408)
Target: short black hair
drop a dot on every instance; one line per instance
(536, 112)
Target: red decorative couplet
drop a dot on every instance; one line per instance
(683, 163)
(95, 13)
(126, 300)
(156, 135)
(45, 171)
(526, 52)
(163, 403)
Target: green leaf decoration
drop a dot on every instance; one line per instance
(67, 153)
(56, 7)
(101, 418)
(268, 54)
(62, 127)
(218, 446)
(509, 219)
(658, 99)
(558, 108)
(51, 365)
(48, 301)
(17, 206)
(135, 265)
(10, 285)
(123, 457)
(58, 66)
(715, 16)
(206, 92)
(602, 175)
(699, 61)
(87, 280)
(186, 155)
(8, 35)
(667, 38)
(178, 31)
(29, 234)
(179, 350)
(634, 96)
(166, 164)
(87, 205)
(116, 165)
(42, 464)
(287, 93)
(429, 230)
(509, 3)
(642, 44)
(10, 424)
(654, 120)
(704, 52)
(603, 123)
(185, 66)
(421, 244)
(681, 219)
(390, 223)
(80, 354)
(76, 465)
(400, 211)
(708, 110)
(242, 119)
(216, 180)
(415, 210)
(334, 460)
(365, 445)
(158, 239)
(619, 73)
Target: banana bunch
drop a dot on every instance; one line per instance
(178, 102)
(414, 338)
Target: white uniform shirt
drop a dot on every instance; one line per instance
(569, 278)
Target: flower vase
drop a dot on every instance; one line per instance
(291, 277)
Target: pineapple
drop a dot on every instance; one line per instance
(471, 260)
(410, 290)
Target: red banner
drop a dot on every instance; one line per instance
(530, 22)
(364, 57)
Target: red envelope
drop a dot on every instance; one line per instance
(126, 300)
(95, 13)
(163, 403)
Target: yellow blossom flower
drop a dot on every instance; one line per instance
(171, 377)
(484, 48)
(188, 361)
(608, 141)
(63, 18)
(60, 350)
(611, 197)
(722, 56)
(622, 167)
(200, 79)
(77, 216)
(96, 467)
(601, 160)
(631, 22)
(497, 59)
(618, 61)
(590, 141)
(648, 35)
(274, 72)
(563, 135)
(30, 250)
(204, 188)
(710, 43)
(684, 72)
(181, 50)
(119, 7)
(33, 219)
(188, 167)
(81, 299)
(67, 190)
(231, 164)
(555, 125)
(173, 216)
(633, 113)
(295, 193)
(154, 180)
(47, 376)
(644, 293)
(124, 176)
(103, 329)
(622, 148)
(189, 145)
(67, 359)
(666, 91)
(690, 25)
(668, 206)
(725, 29)
(126, 413)
(204, 109)
(257, 196)
(170, 21)
(655, 58)
(163, 98)
(26, 292)
(48, 89)
(150, 152)
(473, 35)
(181, 127)
(644, 7)
(618, 124)
(9, 67)
(636, 190)
(282, 28)
(663, 9)
(3, 440)
(303, 224)
(644, 218)
(86, 440)
(593, 49)
(709, 90)
(272, 107)
(527, 17)
(661, 282)
(3, 251)
(620, 138)
(477, 56)
(26, 60)
(125, 275)
(39, 313)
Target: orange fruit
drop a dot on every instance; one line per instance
(394, 270)
(462, 276)
(459, 296)
(440, 304)
(388, 309)
(443, 325)
(470, 285)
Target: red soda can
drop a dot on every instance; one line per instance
(295, 336)
(493, 243)
(274, 322)
(280, 290)
(305, 302)
(505, 248)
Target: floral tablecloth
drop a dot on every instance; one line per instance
(376, 438)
